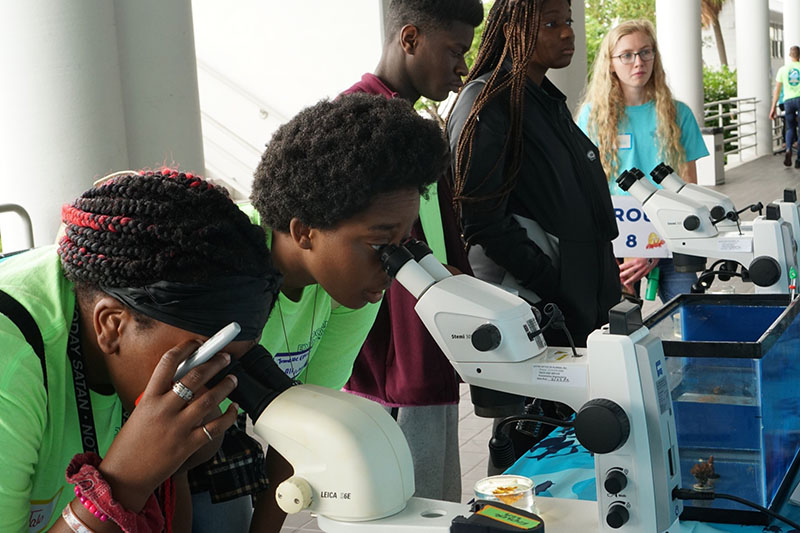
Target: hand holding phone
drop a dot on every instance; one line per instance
(209, 348)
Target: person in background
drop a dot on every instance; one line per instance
(787, 83)
(533, 197)
(400, 365)
(629, 112)
(150, 266)
(518, 157)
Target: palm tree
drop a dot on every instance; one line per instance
(709, 15)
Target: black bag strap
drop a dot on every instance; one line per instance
(21, 318)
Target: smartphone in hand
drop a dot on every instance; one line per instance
(208, 349)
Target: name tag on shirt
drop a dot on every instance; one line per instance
(42, 512)
(625, 141)
(293, 363)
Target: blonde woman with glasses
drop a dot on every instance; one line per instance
(629, 112)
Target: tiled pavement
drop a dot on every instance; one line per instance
(761, 180)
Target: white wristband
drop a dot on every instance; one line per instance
(73, 521)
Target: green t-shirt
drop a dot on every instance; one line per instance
(315, 340)
(39, 431)
(430, 217)
(789, 76)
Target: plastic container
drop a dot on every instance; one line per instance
(734, 371)
(516, 491)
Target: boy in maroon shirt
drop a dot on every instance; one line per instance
(400, 365)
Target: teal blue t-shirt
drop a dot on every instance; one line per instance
(637, 134)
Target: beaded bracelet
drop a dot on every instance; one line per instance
(90, 506)
(73, 521)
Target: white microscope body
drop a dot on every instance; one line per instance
(352, 465)
(721, 206)
(766, 248)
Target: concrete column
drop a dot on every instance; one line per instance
(680, 46)
(572, 80)
(159, 84)
(91, 87)
(753, 70)
(791, 26)
(62, 116)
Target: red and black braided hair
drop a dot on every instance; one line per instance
(139, 228)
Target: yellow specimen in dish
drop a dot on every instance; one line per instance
(508, 495)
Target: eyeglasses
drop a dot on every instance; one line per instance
(646, 54)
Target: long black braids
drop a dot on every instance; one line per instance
(139, 228)
(512, 28)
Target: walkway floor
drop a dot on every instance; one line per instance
(762, 180)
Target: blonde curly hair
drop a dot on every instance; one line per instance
(607, 103)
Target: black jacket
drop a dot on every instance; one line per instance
(561, 186)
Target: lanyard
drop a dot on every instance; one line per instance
(83, 399)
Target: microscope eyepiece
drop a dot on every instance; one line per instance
(661, 171)
(393, 258)
(628, 178)
(260, 380)
(417, 248)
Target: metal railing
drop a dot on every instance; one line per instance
(26, 219)
(737, 118)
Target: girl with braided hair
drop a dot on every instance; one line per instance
(535, 206)
(628, 110)
(150, 265)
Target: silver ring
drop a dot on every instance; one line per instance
(183, 392)
(208, 434)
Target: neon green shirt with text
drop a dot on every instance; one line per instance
(39, 431)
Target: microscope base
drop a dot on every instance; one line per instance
(560, 515)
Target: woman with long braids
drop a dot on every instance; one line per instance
(535, 209)
(534, 202)
(628, 110)
(150, 265)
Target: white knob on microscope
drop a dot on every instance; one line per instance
(293, 495)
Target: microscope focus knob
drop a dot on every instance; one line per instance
(764, 271)
(602, 426)
(486, 338)
(615, 482)
(691, 223)
(718, 212)
(617, 516)
(293, 495)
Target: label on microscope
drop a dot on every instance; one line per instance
(735, 245)
(567, 375)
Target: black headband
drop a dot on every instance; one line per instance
(205, 308)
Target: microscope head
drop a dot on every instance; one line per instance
(351, 461)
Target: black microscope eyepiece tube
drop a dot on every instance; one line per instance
(260, 380)
(661, 171)
(393, 258)
(626, 179)
(418, 249)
